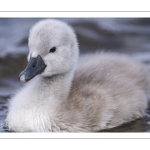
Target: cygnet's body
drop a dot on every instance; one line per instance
(102, 91)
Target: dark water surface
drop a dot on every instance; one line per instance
(123, 35)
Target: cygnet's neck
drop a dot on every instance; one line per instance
(58, 86)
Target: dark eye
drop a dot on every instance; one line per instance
(52, 50)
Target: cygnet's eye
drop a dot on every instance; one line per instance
(52, 50)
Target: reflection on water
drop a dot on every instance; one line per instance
(123, 35)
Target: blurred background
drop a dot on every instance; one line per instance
(122, 35)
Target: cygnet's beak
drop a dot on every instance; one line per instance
(34, 67)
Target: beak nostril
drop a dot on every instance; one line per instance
(34, 67)
(34, 63)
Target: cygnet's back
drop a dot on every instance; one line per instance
(107, 90)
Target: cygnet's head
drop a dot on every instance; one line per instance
(53, 50)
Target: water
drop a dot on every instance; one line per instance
(124, 35)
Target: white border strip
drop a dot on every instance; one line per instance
(77, 135)
(78, 5)
(74, 14)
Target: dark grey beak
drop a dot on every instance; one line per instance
(34, 67)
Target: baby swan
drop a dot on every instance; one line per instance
(96, 92)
